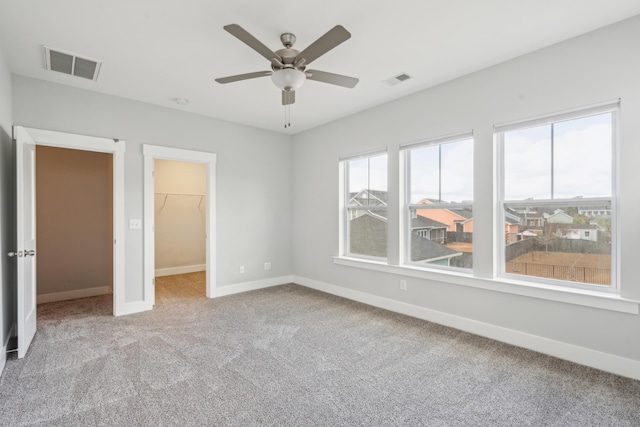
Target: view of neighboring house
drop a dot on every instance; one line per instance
(366, 198)
(558, 217)
(453, 218)
(432, 229)
(368, 236)
(429, 229)
(595, 211)
(460, 220)
(578, 231)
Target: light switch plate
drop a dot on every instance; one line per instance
(135, 224)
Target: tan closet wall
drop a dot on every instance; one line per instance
(74, 226)
(180, 216)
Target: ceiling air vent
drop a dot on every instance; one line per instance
(392, 81)
(71, 64)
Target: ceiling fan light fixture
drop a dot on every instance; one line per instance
(288, 78)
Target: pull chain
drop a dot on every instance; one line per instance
(287, 116)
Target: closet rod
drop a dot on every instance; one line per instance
(183, 194)
(202, 196)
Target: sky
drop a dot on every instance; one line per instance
(581, 160)
(582, 151)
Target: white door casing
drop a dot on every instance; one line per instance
(87, 143)
(26, 234)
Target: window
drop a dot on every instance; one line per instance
(558, 192)
(365, 180)
(439, 202)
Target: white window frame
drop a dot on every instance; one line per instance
(407, 208)
(346, 210)
(612, 107)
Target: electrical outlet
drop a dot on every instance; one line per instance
(403, 285)
(242, 269)
(267, 266)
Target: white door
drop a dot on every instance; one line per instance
(26, 231)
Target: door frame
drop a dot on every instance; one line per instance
(101, 145)
(152, 152)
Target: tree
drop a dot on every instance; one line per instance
(580, 219)
(605, 223)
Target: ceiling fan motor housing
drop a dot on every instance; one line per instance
(288, 40)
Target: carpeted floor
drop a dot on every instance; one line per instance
(289, 356)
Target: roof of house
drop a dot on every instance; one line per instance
(511, 218)
(369, 197)
(423, 249)
(463, 212)
(423, 222)
(368, 236)
(582, 226)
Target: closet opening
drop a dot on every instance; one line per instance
(180, 220)
(74, 224)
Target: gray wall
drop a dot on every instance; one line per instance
(596, 67)
(253, 172)
(7, 237)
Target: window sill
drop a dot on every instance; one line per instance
(587, 298)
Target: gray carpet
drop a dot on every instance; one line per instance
(289, 356)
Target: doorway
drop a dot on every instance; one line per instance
(26, 140)
(180, 190)
(74, 223)
(206, 200)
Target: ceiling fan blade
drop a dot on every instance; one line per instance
(331, 78)
(246, 76)
(288, 97)
(324, 44)
(255, 44)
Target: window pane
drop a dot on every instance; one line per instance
(442, 236)
(424, 178)
(442, 172)
(368, 232)
(570, 243)
(368, 181)
(527, 163)
(457, 171)
(582, 157)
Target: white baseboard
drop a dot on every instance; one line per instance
(78, 293)
(251, 286)
(180, 270)
(581, 355)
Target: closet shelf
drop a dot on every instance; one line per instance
(202, 196)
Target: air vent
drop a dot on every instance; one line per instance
(71, 64)
(392, 81)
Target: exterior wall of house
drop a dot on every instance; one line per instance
(7, 207)
(587, 70)
(253, 169)
(511, 228)
(444, 216)
(560, 218)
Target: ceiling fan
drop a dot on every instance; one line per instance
(288, 65)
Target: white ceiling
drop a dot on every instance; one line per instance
(158, 50)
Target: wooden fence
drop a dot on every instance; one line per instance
(596, 276)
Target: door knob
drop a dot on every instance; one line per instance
(30, 253)
(17, 254)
